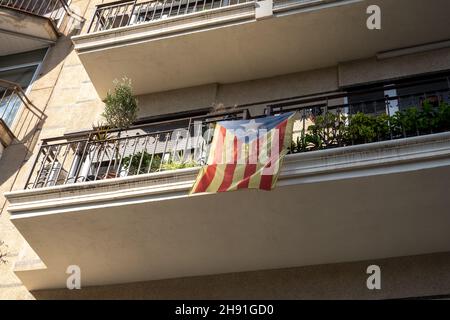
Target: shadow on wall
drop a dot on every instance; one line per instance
(25, 130)
(12, 160)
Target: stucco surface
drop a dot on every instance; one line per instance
(405, 277)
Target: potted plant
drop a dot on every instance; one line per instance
(174, 165)
(121, 106)
(121, 109)
(141, 161)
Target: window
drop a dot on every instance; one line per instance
(9, 101)
(414, 95)
(371, 102)
(20, 69)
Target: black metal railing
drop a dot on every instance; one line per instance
(105, 154)
(18, 115)
(124, 13)
(322, 122)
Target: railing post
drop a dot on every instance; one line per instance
(131, 13)
(153, 153)
(164, 152)
(92, 19)
(388, 109)
(187, 140)
(80, 164)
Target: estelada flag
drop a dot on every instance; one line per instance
(246, 154)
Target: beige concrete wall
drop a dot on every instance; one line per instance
(416, 276)
(372, 70)
(228, 95)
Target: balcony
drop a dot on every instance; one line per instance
(28, 25)
(18, 115)
(111, 203)
(177, 44)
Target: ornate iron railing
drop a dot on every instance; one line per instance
(323, 121)
(18, 115)
(124, 13)
(105, 154)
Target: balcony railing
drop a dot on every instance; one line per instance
(323, 121)
(105, 154)
(125, 13)
(18, 115)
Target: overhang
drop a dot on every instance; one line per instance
(355, 203)
(24, 31)
(243, 42)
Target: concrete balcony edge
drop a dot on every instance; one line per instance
(299, 6)
(189, 22)
(379, 158)
(164, 27)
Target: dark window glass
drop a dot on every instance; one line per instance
(368, 102)
(415, 95)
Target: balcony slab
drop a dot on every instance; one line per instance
(24, 31)
(232, 44)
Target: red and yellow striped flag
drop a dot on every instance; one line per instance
(246, 154)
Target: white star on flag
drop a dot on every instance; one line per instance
(251, 126)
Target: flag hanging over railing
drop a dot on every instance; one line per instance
(246, 154)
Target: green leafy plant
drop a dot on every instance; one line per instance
(131, 163)
(328, 130)
(361, 129)
(382, 125)
(427, 120)
(101, 147)
(443, 117)
(100, 132)
(121, 107)
(424, 120)
(174, 165)
(334, 129)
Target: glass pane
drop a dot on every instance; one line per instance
(21, 76)
(8, 108)
(367, 102)
(414, 96)
(9, 101)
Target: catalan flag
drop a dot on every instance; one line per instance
(246, 154)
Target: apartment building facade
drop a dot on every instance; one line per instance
(135, 232)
